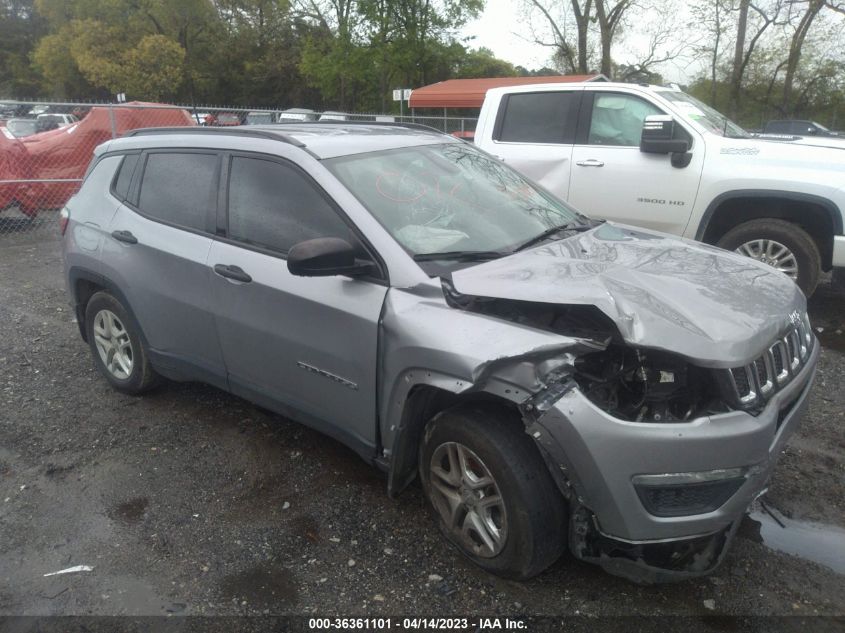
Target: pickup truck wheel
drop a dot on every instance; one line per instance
(783, 245)
(116, 345)
(490, 491)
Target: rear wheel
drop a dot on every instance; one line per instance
(783, 245)
(490, 491)
(116, 345)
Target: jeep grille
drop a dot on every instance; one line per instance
(751, 386)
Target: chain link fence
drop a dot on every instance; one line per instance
(45, 148)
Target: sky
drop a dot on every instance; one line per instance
(505, 29)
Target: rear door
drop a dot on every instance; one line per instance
(534, 133)
(308, 344)
(156, 254)
(613, 179)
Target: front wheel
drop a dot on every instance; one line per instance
(490, 491)
(783, 245)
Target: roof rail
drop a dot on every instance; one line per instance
(230, 131)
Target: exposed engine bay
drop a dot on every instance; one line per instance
(647, 386)
(630, 384)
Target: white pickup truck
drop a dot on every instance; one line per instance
(659, 158)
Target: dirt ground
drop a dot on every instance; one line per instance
(192, 501)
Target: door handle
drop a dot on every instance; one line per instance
(590, 162)
(232, 272)
(124, 236)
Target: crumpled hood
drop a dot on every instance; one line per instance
(714, 307)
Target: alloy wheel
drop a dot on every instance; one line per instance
(772, 253)
(468, 500)
(113, 344)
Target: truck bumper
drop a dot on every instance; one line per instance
(598, 459)
(839, 251)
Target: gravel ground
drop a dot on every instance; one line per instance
(192, 501)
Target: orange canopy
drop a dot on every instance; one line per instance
(469, 93)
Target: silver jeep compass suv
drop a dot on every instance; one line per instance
(554, 381)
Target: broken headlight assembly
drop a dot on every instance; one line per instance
(647, 386)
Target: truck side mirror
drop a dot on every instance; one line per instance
(657, 138)
(658, 130)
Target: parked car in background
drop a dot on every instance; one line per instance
(258, 117)
(553, 381)
(467, 135)
(659, 158)
(20, 128)
(52, 121)
(48, 166)
(800, 128)
(330, 115)
(223, 119)
(297, 114)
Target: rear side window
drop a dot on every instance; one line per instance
(124, 176)
(275, 206)
(539, 117)
(179, 188)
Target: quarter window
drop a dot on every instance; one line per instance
(539, 117)
(617, 119)
(124, 176)
(179, 188)
(274, 206)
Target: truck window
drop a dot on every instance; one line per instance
(617, 119)
(538, 117)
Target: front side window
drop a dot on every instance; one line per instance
(274, 206)
(448, 197)
(539, 117)
(179, 188)
(617, 119)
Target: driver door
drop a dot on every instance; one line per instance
(613, 179)
(307, 345)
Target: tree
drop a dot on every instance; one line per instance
(482, 63)
(602, 20)
(609, 16)
(573, 57)
(20, 29)
(806, 11)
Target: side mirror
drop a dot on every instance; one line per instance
(658, 130)
(325, 257)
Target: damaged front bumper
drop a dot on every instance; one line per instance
(596, 460)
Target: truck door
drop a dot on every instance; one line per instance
(534, 133)
(611, 177)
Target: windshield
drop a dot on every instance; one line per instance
(703, 114)
(22, 127)
(450, 197)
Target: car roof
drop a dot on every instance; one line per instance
(578, 85)
(327, 139)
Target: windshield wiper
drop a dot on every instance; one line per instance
(569, 227)
(460, 256)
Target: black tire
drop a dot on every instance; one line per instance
(790, 235)
(142, 376)
(536, 514)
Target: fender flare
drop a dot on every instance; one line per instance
(832, 210)
(77, 274)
